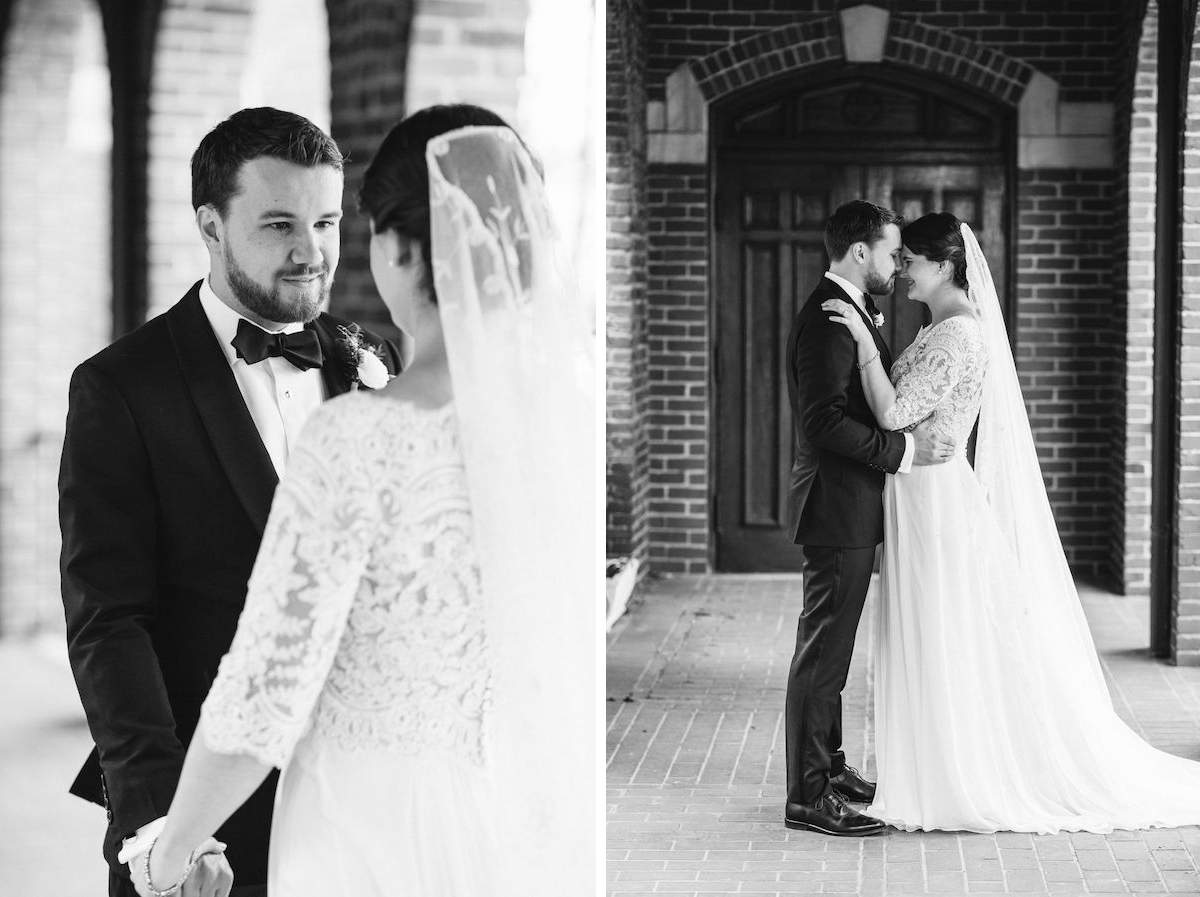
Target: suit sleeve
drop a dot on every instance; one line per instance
(107, 509)
(825, 367)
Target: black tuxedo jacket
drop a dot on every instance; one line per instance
(840, 454)
(164, 489)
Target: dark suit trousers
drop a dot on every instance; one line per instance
(119, 886)
(835, 588)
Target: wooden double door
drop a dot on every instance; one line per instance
(769, 221)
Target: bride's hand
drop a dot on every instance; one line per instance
(211, 875)
(847, 315)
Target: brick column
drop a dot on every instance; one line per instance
(368, 46)
(626, 356)
(1127, 567)
(55, 287)
(1185, 628)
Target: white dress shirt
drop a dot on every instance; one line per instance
(279, 395)
(858, 297)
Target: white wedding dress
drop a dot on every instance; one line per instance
(991, 710)
(361, 662)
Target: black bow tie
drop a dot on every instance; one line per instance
(300, 348)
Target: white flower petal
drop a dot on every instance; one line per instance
(372, 373)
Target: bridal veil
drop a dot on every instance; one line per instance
(521, 361)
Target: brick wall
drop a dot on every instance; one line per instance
(1065, 350)
(368, 46)
(1185, 630)
(626, 342)
(55, 291)
(467, 51)
(1063, 236)
(679, 339)
(1071, 41)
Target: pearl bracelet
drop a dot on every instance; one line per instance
(173, 889)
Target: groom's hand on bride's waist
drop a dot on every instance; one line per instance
(930, 447)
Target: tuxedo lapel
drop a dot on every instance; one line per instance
(885, 354)
(333, 368)
(222, 409)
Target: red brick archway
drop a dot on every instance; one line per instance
(795, 48)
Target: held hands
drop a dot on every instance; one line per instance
(208, 876)
(930, 448)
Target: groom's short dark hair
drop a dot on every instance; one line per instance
(252, 134)
(857, 221)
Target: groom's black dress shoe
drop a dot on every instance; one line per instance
(853, 786)
(832, 816)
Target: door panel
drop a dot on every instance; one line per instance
(769, 256)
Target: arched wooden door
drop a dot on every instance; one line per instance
(783, 163)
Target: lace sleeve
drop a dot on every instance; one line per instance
(313, 553)
(936, 367)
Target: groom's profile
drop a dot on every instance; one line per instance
(840, 459)
(176, 437)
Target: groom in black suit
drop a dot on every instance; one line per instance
(841, 457)
(176, 437)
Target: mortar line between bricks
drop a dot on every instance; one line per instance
(663, 655)
(616, 745)
(779, 718)
(741, 748)
(646, 751)
(962, 860)
(711, 742)
(679, 747)
(858, 881)
(924, 867)
(634, 714)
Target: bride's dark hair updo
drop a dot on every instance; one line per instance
(938, 237)
(395, 188)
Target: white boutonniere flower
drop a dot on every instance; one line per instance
(877, 318)
(363, 360)
(372, 373)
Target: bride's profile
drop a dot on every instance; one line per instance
(416, 651)
(991, 708)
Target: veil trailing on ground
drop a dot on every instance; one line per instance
(1007, 467)
(521, 363)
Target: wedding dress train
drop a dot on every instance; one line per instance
(991, 708)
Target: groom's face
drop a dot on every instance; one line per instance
(881, 262)
(280, 239)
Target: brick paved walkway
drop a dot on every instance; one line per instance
(696, 678)
(49, 840)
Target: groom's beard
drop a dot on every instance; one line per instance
(272, 305)
(877, 284)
